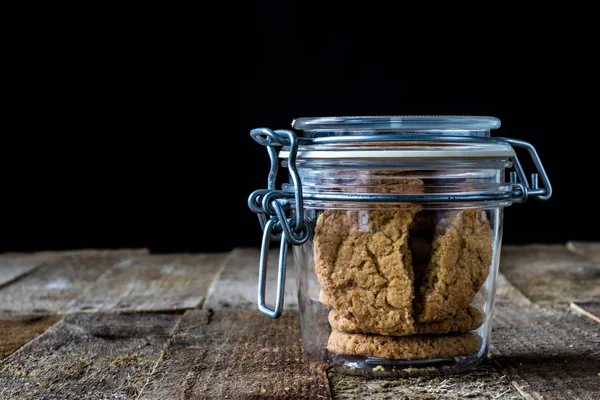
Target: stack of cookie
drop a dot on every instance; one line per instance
(400, 282)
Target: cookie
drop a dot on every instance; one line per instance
(460, 259)
(386, 181)
(466, 320)
(403, 348)
(324, 299)
(364, 266)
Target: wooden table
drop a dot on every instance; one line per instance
(127, 324)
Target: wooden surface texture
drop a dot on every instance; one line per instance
(128, 324)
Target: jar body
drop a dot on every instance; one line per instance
(400, 290)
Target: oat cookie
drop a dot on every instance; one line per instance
(464, 321)
(386, 181)
(364, 266)
(460, 260)
(403, 348)
(324, 299)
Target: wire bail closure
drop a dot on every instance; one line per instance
(276, 203)
(273, 206)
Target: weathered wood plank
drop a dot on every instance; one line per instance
(236, 286)
(48, 289)
(485, 383)
(590, 309)
(507, 292)
(88, 356)
(211, 355)
(15, 331)
(547, 353)
(550, 273)
(236, 354)
(152, 283)
(15, 265)
(590, 250)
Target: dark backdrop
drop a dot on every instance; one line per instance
(128, 123)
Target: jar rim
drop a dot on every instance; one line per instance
(453, 123)
(404, 147)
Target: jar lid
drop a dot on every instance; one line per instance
(458, 124)
(396, 148)
(398, 137)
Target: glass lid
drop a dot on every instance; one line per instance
(399, 136)
(469, 125)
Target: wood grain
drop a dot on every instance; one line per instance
(590, 250)
(545, 336)
(15, 331)
(236, 354)
(550, 273)
(548, 353)
(152, 283)
(236, 286)
(507, 292)
(88, 356)
(485, 383)
(15, 265)
(48, 289)
(547, 350)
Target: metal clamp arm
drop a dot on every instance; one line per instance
(275, 204)
(519, 178)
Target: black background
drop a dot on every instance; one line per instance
(127, 123)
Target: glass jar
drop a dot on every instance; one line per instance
(396, 228)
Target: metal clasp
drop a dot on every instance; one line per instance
(518, 178)
(262, 271)
(276, 204)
